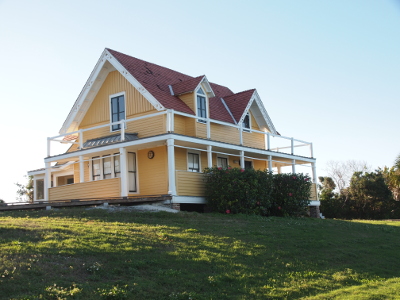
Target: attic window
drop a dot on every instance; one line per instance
(201, 105)
(246, 122)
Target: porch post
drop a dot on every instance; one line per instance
(124, 172)
(270, 163)
(293, 166)
(241, 134)
(242, 159)
(81, 169)
(279, 169)
(314, 172)
(171, 167)
(54, 180)
(34, 189)
(209, 156)
(47, 181)
(268, 140)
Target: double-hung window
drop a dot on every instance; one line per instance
(107, 167)
(117, 111)
(222, 162)
(193, 162)
(96, 172)
(201, 105)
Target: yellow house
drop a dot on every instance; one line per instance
(139, 129)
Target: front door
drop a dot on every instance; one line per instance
(132, 171)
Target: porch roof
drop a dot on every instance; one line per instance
(110, 139)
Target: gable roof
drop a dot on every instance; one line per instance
(161, 87)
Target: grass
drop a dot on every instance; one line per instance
(96, 254)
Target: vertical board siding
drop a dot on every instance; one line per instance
(190, 184)
(92, 189)
(99, 110)
(152, 173)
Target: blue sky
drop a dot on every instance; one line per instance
(327, 71)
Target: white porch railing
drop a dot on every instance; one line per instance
(291, 143)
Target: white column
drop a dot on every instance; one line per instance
(171, 167)
(279, 169)
(292, 146)
(47, 181)
(54, 180)
(80, 139)
(81, 169)
(241, 134)
(270, 163)
(34, 189)
(242, 159)
(48, 147)
(311, 150)
(314, 172)
(124, 172)
(268, 141)
(293, 166)
(209, 156)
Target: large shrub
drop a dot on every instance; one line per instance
(290, 194)
(234, 190)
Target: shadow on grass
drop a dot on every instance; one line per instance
(161, 255)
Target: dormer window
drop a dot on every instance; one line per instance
(201, 105)
(246, 122)
(117, 103)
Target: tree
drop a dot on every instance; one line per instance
(341, 172)
(327, 187)
(392, 178)
(370, 197)
(25, 192)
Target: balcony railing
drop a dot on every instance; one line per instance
(273, 142)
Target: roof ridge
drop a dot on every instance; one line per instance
(145, 61)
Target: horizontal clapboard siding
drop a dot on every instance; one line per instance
(189, 183)
(92, 189)
(313, 195)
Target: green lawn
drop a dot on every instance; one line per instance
(96, 254)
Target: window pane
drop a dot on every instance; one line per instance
(193, 162)
(107, 167)
(200, 91)
(246, 121)
(117, 169)
(96, 168)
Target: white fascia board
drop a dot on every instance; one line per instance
(93, 84)
(206, 83)
(72, 116)
(228, 110)
(256, 98)
(188, 199)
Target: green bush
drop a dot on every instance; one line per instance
(234, 190)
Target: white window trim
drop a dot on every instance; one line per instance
(222, 156)
(244, 128)
(187, 160)
(109, 105)
(207, 110)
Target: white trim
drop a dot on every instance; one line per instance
(206, 87)
(110, 106)
(171, 90)
(189, 199)
(245, 129)
(197, 105)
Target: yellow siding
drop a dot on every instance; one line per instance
(189, 183)
(226, 134)
(201, 130)
(260, 165)
(99, 110)
(77, 172)
(313, 195)
(180, 124)
(180, 159)
(253, 139)
(92, 189)
(254, 124)
(153, 173)
(189, 100)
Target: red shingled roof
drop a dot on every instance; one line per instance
(186, 86)
(156, 79)
(237, 103)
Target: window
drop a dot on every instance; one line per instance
(201, 105)
(222, 162)
(132, 171)
(70, 180)
(193, 162)
(96, 168)
(246, 122)
(117, 111)
(248, 165)
(106, 167)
